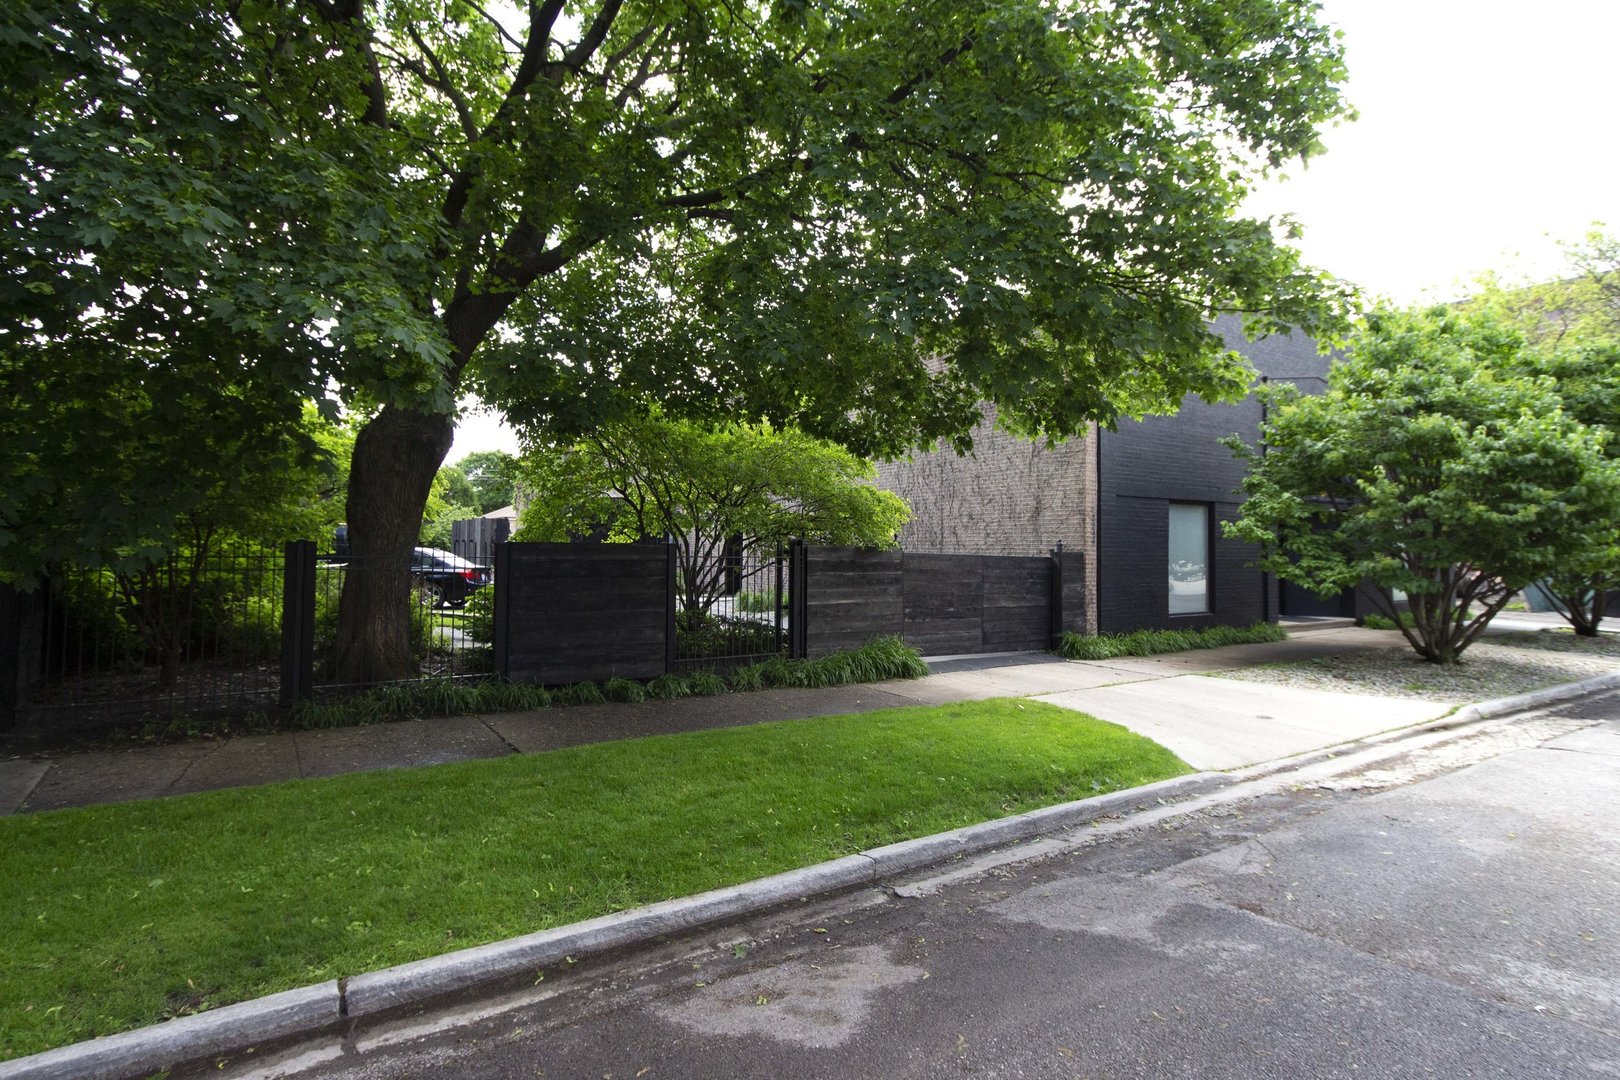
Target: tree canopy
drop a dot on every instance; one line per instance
(490, 472)
(716, 493)
(860, 220)
(1436, 464)
(1575, 324)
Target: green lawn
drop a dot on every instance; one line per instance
(118, 916)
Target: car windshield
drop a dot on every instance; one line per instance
(438, 557)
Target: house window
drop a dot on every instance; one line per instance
(1189, 558)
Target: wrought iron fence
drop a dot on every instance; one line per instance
(197, 632)
(732, 608)
(451, 615)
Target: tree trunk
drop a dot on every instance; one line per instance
(1582, 603)
(396, 457)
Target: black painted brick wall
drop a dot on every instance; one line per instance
(1147, 464)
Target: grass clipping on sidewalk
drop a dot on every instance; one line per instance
(121, 916)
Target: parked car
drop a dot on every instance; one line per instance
(443, 579)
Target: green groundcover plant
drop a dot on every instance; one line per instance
(1152, 642)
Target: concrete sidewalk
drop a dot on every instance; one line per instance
(1210, 723)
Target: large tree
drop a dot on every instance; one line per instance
(1435, 465)
(862, 219)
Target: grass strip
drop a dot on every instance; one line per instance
(1074, 646)
(124, 915)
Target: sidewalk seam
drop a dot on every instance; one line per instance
(22, 804)
(491, 729)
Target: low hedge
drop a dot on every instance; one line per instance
(882, 658)
(1153, 642)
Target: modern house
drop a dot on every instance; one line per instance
(1143, 505)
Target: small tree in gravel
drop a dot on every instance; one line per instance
(1435, 464)
(1588, 380)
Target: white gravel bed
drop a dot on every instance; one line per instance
(1499, 665)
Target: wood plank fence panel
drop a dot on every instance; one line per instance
(940, 604)
(944, 603)
(578, 612)
(1017, 603)
(852, 595)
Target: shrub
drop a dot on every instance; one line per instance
(704, 684)
(757, 601)
(748, 677)
(478, 615)
(717, 635)
(669, 687)
(501, 695)
(626, 690)
(1153, 642)
(881, 658)
(580, 693)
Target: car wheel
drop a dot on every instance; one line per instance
(430, 595)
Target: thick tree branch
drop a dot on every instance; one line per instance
(352, 14)
(580, 55)
(542, 17)
(446, 86)
(909, 87)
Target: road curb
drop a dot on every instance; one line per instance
(310, 1010)
(1462, 717)
(145, 1051)
(313, 1009)
(1486, 710)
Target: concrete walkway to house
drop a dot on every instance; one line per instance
(1211, 723)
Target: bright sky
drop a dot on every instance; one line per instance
(1487, 134)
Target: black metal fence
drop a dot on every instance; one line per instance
(197, 632)
(235, 628)
(733, 607)
(220, 629)
(451, 614)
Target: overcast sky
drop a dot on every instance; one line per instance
(1487, 134)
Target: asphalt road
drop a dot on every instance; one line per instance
(1448, 916)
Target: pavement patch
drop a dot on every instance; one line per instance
(821, 1000)
(113, 776)
(17, 779)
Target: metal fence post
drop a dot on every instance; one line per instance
(10, 656)
(503, 607)
(671, 566)
(780, 584)
(297, 622)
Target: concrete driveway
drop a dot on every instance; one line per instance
(1225, 724)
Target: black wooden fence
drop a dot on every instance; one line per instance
(567, 612)
(561, 613)
(941, 604)
(584, 612)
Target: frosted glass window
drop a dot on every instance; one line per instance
(1189, 558)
